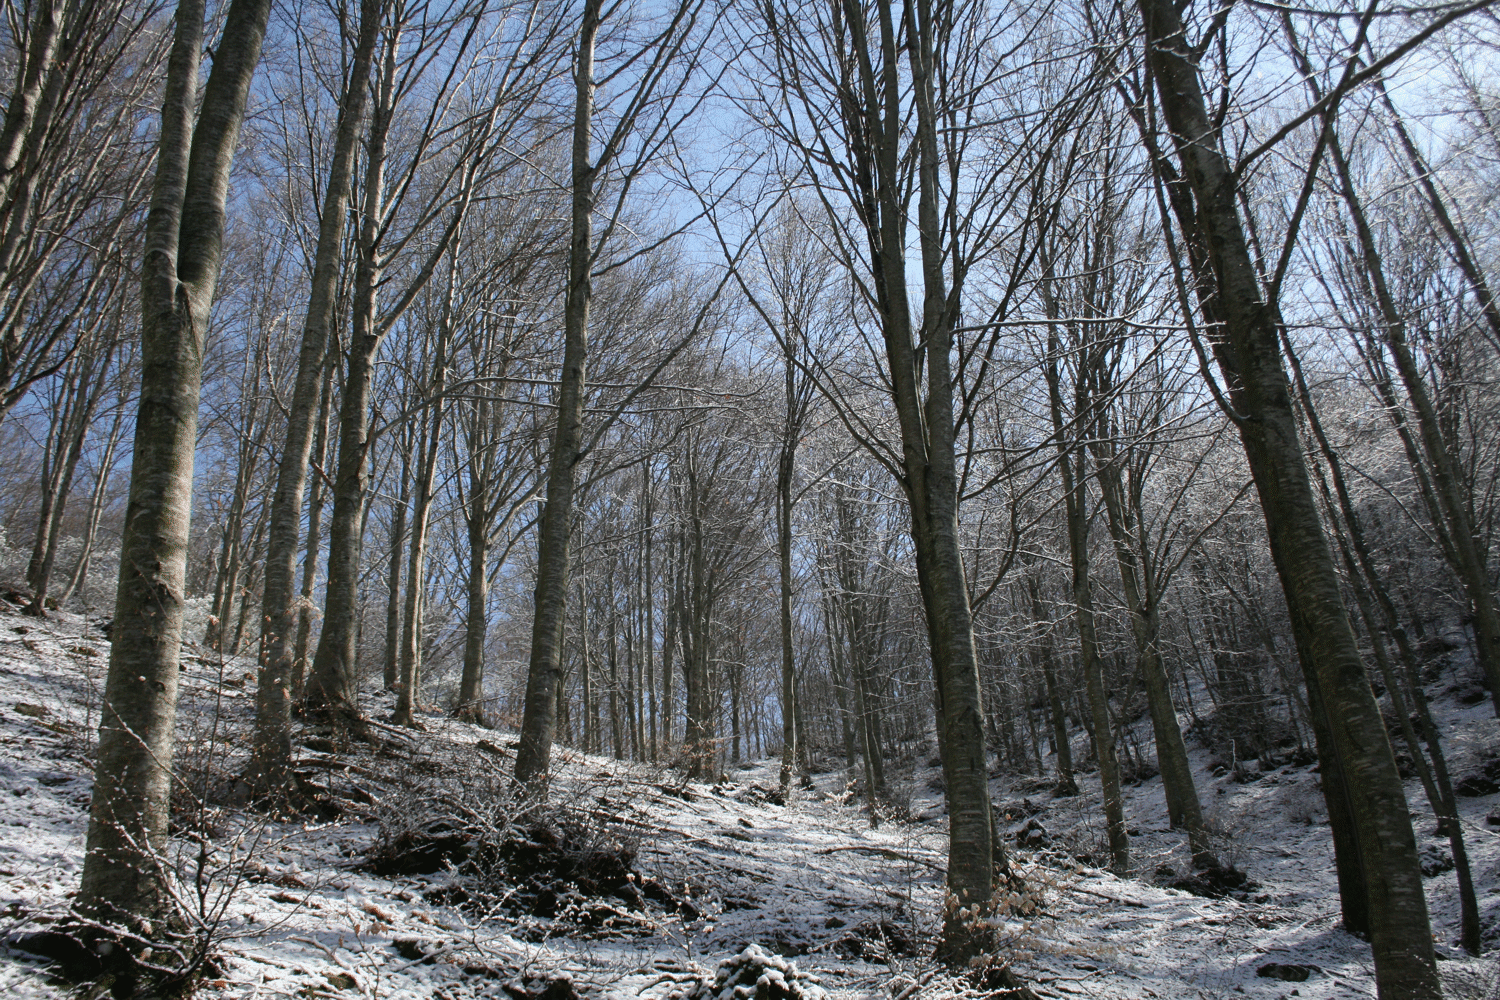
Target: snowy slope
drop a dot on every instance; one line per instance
(302, 914)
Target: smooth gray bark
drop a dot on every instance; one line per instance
(539, 721)
(123, 883)
(283, 645)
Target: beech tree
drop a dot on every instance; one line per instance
(648, 99)
(124, 895)
(1244, 336)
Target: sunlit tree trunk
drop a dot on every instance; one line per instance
(124, 883)
(280, 673)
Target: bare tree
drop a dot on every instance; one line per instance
(639, 128)
(1245, 341)
(123, 893)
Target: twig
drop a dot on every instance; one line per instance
(1112, 899)
(885, 852)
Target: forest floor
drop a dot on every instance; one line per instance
(636, 883)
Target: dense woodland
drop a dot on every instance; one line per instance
(700, 381)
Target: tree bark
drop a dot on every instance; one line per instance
(422, 495)
(280, 671)
(332, 690)
(123, 883)
(1247, 352)
(539, 721)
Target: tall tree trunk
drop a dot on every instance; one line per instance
(1088, 641)
(123, 883)
(648, 603)
(422, 495)
(280, 671)
(1183, 808)
(539, 721)
(785, 468)
(922, 394)
(392, 655)
(314, 532)
(471, 684)
(333, 687)
(1248, 355)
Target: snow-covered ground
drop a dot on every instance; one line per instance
(302, 916)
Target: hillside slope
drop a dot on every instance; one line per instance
(423, 879)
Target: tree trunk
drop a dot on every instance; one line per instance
(280, 669)
(539, 721)
(314, 532)
(471, 684)
(1184, 811)
(785, 469)
(79, 576)
(392, 654)
(1248, 355)
(332, 690)
(123, 883)
(86, 402)
(407, 699)
(1066, 785)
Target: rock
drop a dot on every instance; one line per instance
(1434, 860)
(1476, 785)
(1493, 819)
(424, 950)
(32, 711)
(1286, 973)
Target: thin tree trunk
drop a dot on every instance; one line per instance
(785, 469)
(91, 390)
(471, 684)
(539, 721)
(314, 532)
(392, 655)
(422, 495)
(79, 575)
(1183, 808)
(332, 688)
(1066, 785)
(280, 671)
